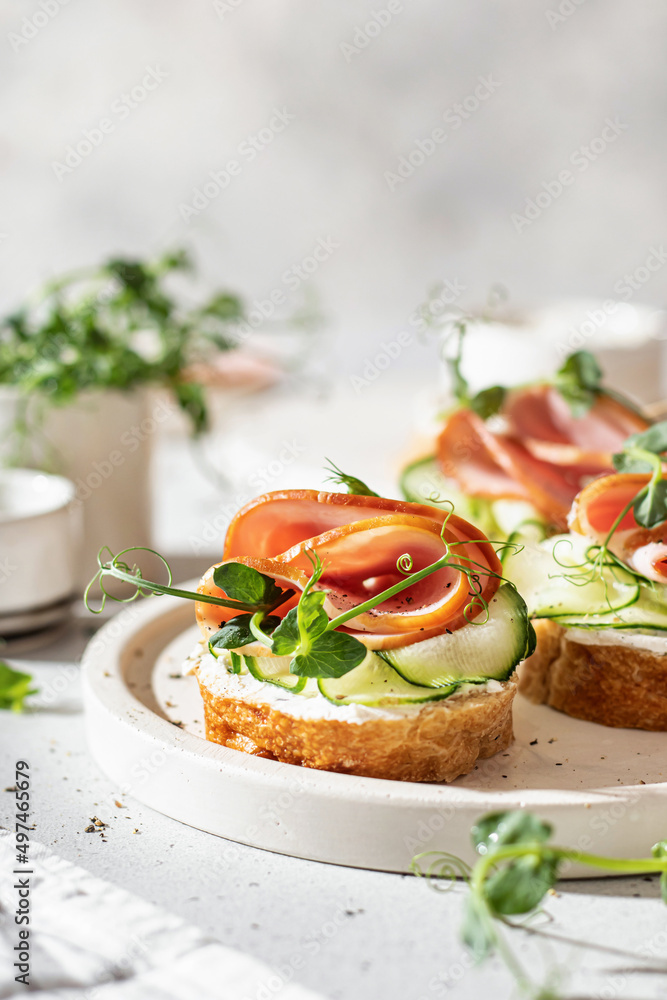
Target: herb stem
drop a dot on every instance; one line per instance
(372, 602)
(109, 569)
(626, 866)
(628, 507)
(255, 628)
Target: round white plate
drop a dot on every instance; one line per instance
(604, 790)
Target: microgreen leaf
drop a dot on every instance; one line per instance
(630, 463)
(520, 886)
(496, 830)
(654, 439)
(236, 632)
(352, 484)
(248, 585)
(311, 616)
(578, 381)
(488, 402)
(286, 635)
(659, 850)
(650, 509)
(331, 654)
(515, 871)
(14, 687)
(304, 631)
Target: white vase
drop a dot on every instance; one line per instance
(102, 442)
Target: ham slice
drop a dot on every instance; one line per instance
(540, 417)
(490, 464)
(360, 540)
(543, 454)
(595, 512)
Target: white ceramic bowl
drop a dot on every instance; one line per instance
(40, 527)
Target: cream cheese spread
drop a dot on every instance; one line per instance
(307, 704)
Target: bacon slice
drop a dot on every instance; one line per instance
(543, 455)
(359, 540)
(596, 510)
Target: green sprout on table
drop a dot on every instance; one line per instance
(14, 687)
(516, 869)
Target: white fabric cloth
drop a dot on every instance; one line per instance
(89, 939)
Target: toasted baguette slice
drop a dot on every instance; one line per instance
(615, 685)
(434, 741)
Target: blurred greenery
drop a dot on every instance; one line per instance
(118, 326)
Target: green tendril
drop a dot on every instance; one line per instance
(116, 568)
(404, 563)
(517, 867)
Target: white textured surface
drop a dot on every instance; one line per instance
(88, 935)
(228, 65)
(358, 934)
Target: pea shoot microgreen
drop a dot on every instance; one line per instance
(120, 325)
(578, 380)
(484, 403)
(15, 687)
(351, 483)
(306, 633)
(517, 867)
(642, 453)
(116, 326)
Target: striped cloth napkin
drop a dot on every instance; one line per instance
(89, 939)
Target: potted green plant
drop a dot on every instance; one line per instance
(79, 366)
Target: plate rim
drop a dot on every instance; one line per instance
(104, 682)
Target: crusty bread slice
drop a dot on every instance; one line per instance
(614, 685)
(434, 741)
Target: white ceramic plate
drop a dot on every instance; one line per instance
(604, 790)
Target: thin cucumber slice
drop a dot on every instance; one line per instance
(374, 682)
(648, 612)
(518, 517)
(424, 482)
(486, 650)
(540, 579)
(233, 661)
(275, 670)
